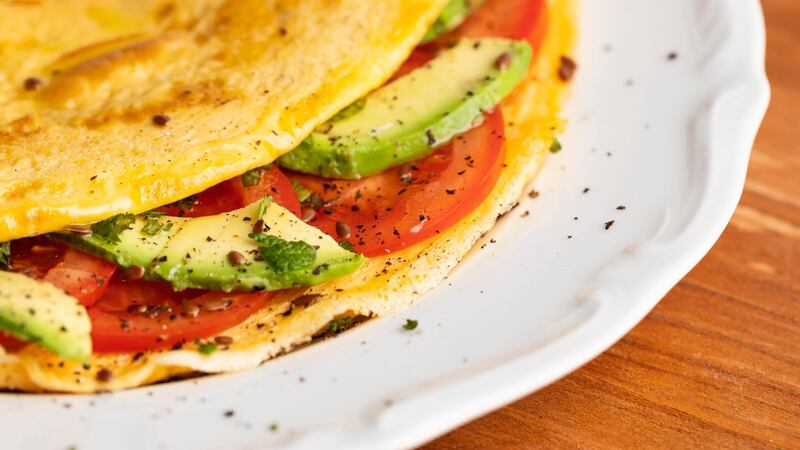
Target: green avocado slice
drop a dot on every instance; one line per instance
(453, 15)
(406, 119)
(224, 252)
(38, 312)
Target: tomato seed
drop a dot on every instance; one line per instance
(219, 304)
(308, 214)
(132, 273)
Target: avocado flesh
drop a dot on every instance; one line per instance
(453, 15)
(39, 312)
(407, 118)
(135, 247)
(198, 256)
(194, 253)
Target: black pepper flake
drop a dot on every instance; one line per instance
(431, 137)
(672, 56)
(533, 193)
(32, 83)
(621, 208)
(566, 69)
(229, 413)
(161, 119)
(585, 190)
(608, 224)
(450, 191)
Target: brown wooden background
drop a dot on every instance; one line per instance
(717, 363)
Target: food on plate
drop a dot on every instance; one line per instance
(199, 186)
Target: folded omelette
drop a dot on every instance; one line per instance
(113, 113)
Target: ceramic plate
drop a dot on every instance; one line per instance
(665, 108)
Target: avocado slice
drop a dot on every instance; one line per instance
(39, 312)
(286, 254)
(453, 15)
(197, 253)
(407, 118)
(137, 244)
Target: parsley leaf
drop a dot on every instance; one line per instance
(555, 147)
(5, 255)
(285, 256)
(410, 324)
(111, 228)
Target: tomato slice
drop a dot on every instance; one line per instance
(82, 276)
(512, 19)
(140, 315)
(233, 194)
(401, 207)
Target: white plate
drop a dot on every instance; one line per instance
(668, 139)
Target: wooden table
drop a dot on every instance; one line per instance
(717, 362)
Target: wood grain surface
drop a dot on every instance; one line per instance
(717, 362)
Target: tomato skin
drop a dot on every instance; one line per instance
(386, 214)
(512, 19)
(116, 329)
(82, 276)
(233, 194)
(10, 343)
(272, 182)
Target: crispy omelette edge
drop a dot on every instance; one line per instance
(383, 286)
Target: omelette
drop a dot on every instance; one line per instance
(199, 186)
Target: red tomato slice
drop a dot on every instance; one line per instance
(233, 194)
(385, 213)
(10, 343)
(513, 19)
(140, 315)
(82, 276)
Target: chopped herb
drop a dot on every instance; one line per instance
(252, 177)
(205, 347)
(5, 255)
(302, 192)
(347, 245)
(555, 147)
(111, 228)
(285, 256)
(339, 325)
(152, 214)
(262, 207)
(186, 203)
(410, 324)
(152, 226)
(273, 427)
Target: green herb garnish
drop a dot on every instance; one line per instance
(555, 147)
(285, 256)
(5, 255)
(347, 245)
(339, 325)
(301, 191)
(410, 324)
(152, 226)
(111, 228)
(205, 347)
(251, 177)
(186, 203)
